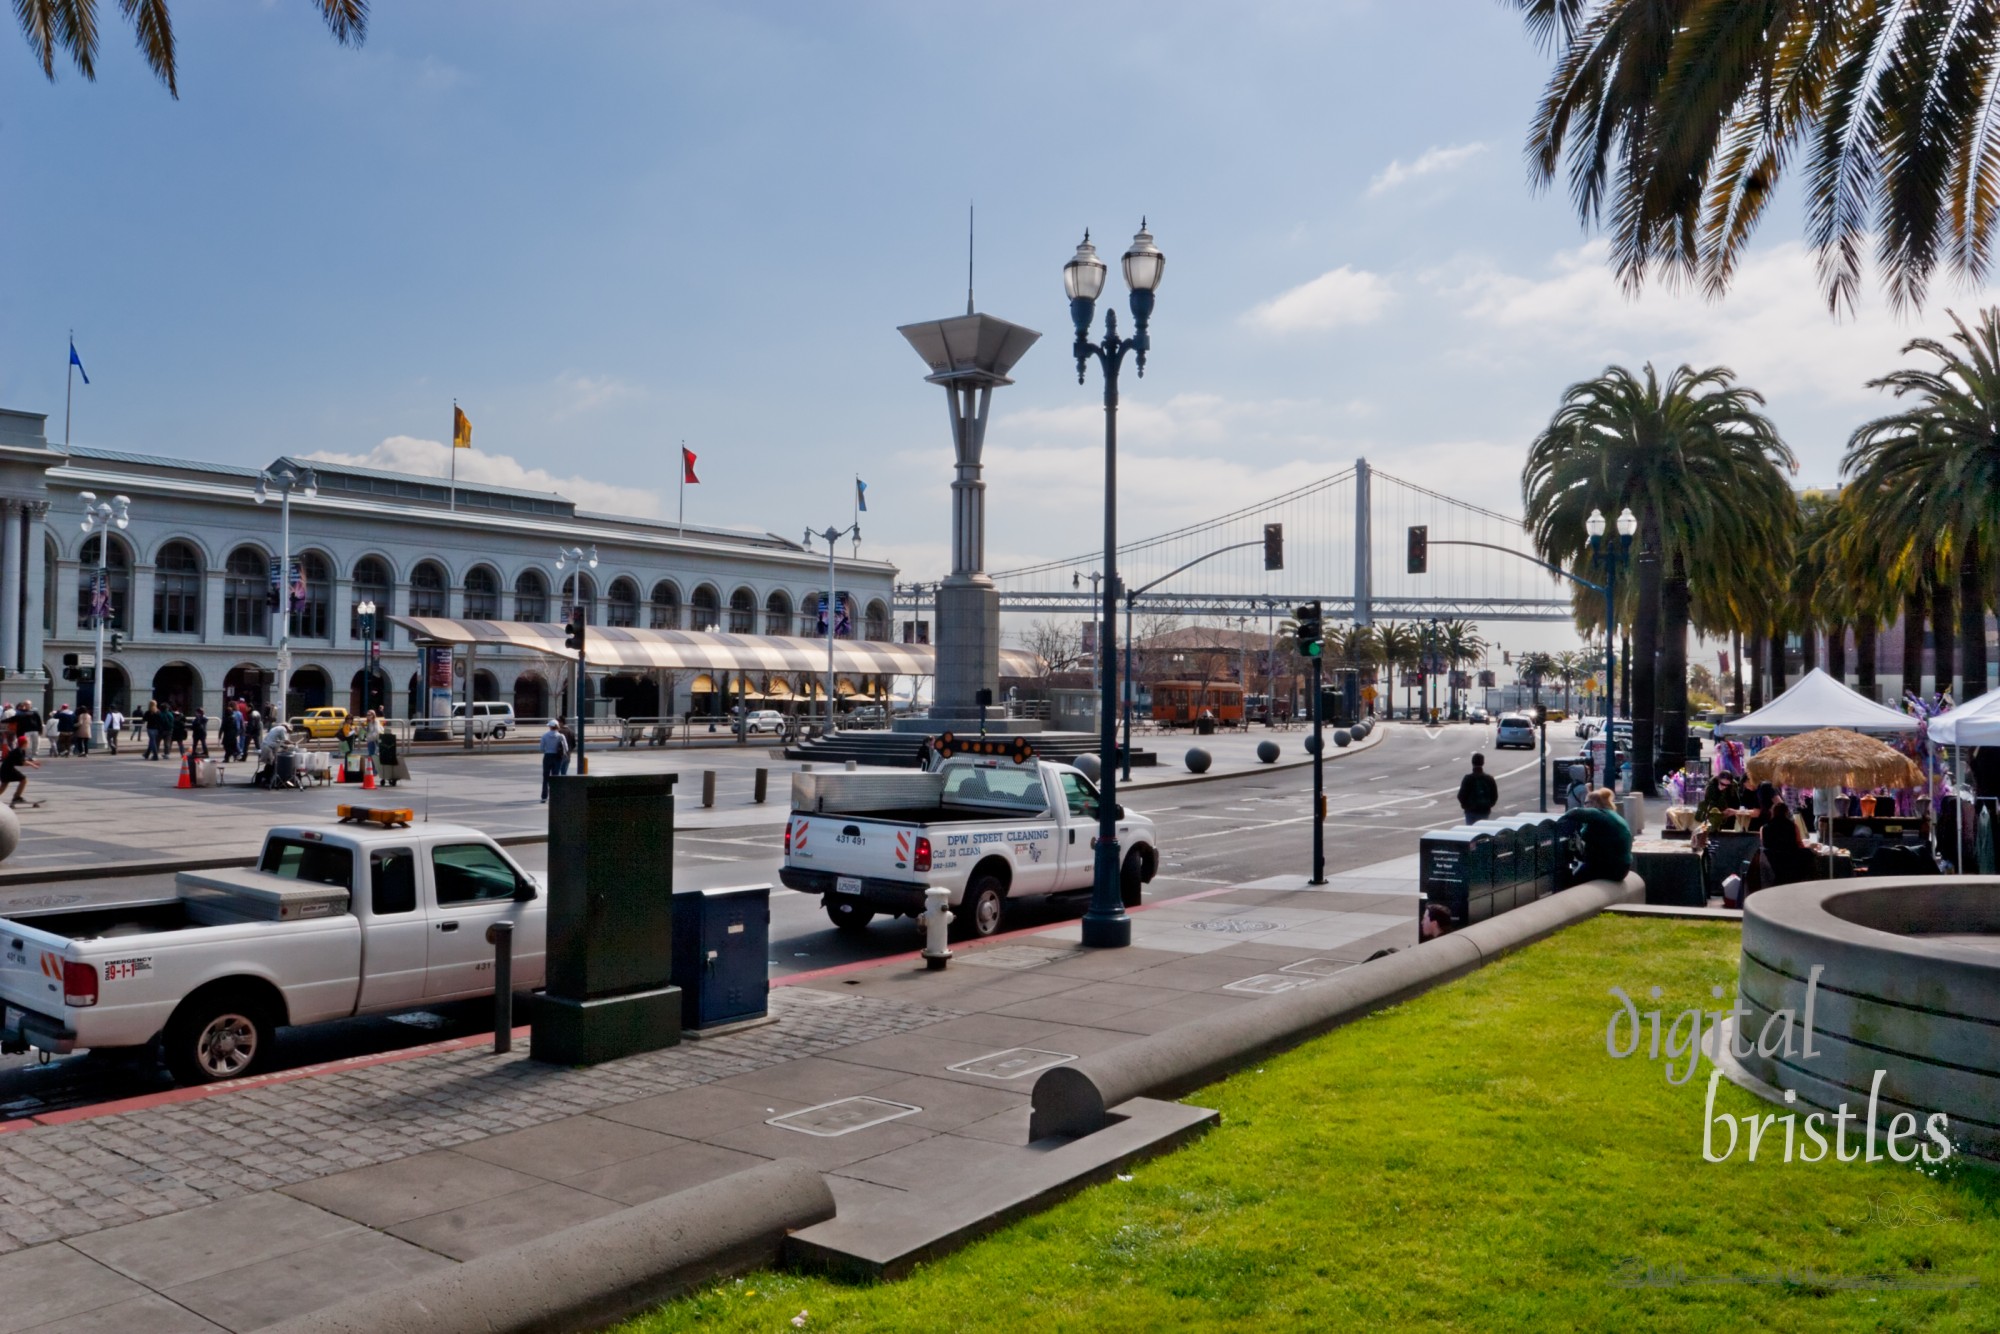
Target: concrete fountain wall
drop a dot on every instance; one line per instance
(1895, 994)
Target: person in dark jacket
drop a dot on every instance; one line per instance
(1607, 839)
(1478, 794)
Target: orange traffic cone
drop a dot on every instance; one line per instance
(367, 775)
(186, 779)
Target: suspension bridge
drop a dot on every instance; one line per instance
(1344, 546)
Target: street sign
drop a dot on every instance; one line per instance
(86, 659)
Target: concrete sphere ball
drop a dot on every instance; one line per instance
(1312, 744)
(1342, 736)
(1198, 760)
(1088, 766)
(1362, 729)
(10, 833)
(1267, 751)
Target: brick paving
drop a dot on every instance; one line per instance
(69, 1180)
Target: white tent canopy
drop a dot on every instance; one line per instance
(1974, 724)
(1820, 701)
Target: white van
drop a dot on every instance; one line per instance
(489, 719)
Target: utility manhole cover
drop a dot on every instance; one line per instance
(1234, 926)
(832, 1119)
(1271, 984)
(1007, 956)
(1013, 1063)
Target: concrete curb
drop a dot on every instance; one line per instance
(1333, 752)
(596, 1273)
(1074, 1099)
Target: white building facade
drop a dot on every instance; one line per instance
(190, 584)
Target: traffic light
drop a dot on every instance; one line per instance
(1420, 548)
(1309, 630)
(117, 641)
(1274, 546)
(573, 630)
(71, 672)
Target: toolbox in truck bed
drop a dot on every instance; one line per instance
(214, 898)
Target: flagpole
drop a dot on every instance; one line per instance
(454, 504)
(684, 489)
(69, 388)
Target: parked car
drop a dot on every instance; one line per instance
(1478, 715)
(321, 723)
(866, 715)
(1515, 730)
(761, 721)
(489, 719)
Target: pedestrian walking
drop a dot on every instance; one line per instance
(372, 736)
(151, 719)
(1478, 794)
(65, 729)
(555, 755)
(198, 730)
(114, 723)
(12, 765)
(253, 731)
(81, 744)
(177, 730)
(229, 731)
(28, 724)
(569, 745)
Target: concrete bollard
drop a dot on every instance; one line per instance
(852, 765)
(763, 786)
(707, 787)
(937, 917)
(1267, 752)
(1198, 760)
(500, 936)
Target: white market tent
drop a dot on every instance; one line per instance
(1820, 701)
(1973, 724)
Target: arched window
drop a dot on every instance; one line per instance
(777, 614)
(430, 590)
(246, 593)
(621, 606)
(742, 612)
(878, 621)
(482, 595)
(666, 606)
(117, 573)
(312, 615)
(575, 586)
(177, 590)
(706, 609)
(531, 597)
(372, 584)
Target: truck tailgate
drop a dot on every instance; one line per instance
(845, 846)
(31, 967)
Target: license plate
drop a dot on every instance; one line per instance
(847, 884)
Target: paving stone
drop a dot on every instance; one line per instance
(567, 1148)
(203, 1242)
(688, 1163)
(812, 1079)
(823, 1152)
(507, 1220)
(273, 1290)
(426, 1183)
(52, 1282)
(698, 1113)
(151, 1314)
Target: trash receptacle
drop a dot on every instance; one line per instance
(1456, 870)
(1542, 829)
(721, 963)
(1506, 858)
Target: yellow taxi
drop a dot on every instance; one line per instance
(322, 723)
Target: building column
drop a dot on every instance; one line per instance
(11, 591)
(34, 511)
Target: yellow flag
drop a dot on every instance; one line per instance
(461, 428)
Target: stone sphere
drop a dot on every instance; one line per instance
(1312, 744)
(1267, 751)
(1088, 766)
(1198, 760)
(1362, 729)
(10, 833)
(1342, 736)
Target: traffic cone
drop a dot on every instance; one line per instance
(367, 775)
(186, 780)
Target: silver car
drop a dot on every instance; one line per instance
(1514, 730)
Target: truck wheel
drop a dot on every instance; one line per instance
(978, 912)
(1132, 879)
(850, 916)
(222, 1036)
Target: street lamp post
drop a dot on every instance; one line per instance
(832, 538)
(577, 556)
(365, 609)
(99, 518)
(1105, 924)
(1610, 553)
(288, 478)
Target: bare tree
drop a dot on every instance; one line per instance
(1058, 644)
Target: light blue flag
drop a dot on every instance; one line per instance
(77, 362)
(860, 494)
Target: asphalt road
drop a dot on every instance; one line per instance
(1211, 834)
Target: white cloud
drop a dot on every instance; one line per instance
(432, 458)
(1342, 296)
(587, 393)
(1431, 162)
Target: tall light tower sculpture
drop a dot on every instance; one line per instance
(970, 356)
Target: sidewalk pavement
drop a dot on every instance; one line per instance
(241, 1205)
(107, 811)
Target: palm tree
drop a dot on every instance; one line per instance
(1400, 649)
(1704, 471)
(1533, 669)
(71, 25)
(1460, 643)
(1676, 119)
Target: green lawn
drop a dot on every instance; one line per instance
(1470, 1160)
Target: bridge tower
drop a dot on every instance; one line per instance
(1364, 581)
(970, 356)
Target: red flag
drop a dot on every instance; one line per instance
(687, 466)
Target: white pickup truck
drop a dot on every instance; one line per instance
(986, 829)
(336, 920)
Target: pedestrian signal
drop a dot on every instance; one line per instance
(1311, 626)
(573, 636)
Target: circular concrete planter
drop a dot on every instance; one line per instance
(1909, 986)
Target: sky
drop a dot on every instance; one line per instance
(610, 226)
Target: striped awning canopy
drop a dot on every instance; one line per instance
(700, 650)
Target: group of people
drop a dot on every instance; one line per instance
(1784, 856)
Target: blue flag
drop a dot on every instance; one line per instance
(77, 362)
(860, 495)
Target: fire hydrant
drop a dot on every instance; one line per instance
(936, 918)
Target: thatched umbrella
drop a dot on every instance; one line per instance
(1834, 757)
